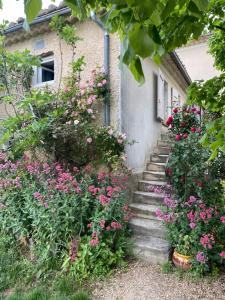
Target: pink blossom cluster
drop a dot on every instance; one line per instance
(170, 203)
(207, 241)
(166, 217)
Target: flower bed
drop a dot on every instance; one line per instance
(195, 208)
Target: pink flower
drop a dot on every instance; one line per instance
(104, 81)
(90, 111)
(102, 224)
(89, 225)
(104, 200)
(99, 85)
(94, 242)
(192, 225)
(38, 196)
(207, 240)
(191, 216)
(89, 140)
(175, 110)
(185, 135)
(201, 257)
(222, 219)
(116, 225)
(159, 213)
(222, 254)
(108, 228)
(193, 109)
(120, 141)
(169, 120)
(193, 129)
(178, 137)
(169, 202)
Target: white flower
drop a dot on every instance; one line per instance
(110, 132)
(76, 122)
(89, 140)
(90, 111)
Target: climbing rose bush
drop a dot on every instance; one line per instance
(56, 212)
(194, 208)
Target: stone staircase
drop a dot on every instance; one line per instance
(150, 243)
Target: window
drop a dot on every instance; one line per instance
(45, 73)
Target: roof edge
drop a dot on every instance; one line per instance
(39, 19)
(176, 59)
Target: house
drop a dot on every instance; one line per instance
(139, 111)
(196, 58)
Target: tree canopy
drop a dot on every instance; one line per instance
(148, 28)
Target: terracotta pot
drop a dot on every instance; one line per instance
(181, 261)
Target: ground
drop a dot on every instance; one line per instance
(146, 282)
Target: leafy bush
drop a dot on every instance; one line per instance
(58, 213)
(195, 209)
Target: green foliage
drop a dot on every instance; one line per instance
(211, 97)
(217, 48)
(195, 216)
(79, 218)
(32, 8)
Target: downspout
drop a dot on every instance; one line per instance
(106, 66)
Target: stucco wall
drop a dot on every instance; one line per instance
(198, 62)
(138, 116)
(91, 47)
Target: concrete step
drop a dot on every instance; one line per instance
(152, 166)
(162, 150)
(153, 175)
(151, 249)
(148, 198)
(144, 210)
(149, 185)
(161, 158)
(147, 227)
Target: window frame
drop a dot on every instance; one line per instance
(37, 77)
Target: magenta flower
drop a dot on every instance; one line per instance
(222, 219)
(116, 225)
(222, 254)
(207, 241)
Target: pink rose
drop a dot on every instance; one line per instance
(169, 121)
(175, 110)
(89, 140)
(178, 137)
(222, 219)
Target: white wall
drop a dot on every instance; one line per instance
(198, 62)
(138, 113)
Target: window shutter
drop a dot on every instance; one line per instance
(160, 100)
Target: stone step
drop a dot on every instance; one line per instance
(161, 158)
(144, 210)
(148, 198)
(149, 185)
(161, 143)
(151, 249)
(152, 166)
(153, 175)
(162, 150)
(165, 137)
(147, 227)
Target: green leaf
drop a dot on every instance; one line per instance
(202, 4)
(168, 9)
(140, 41)
(32, 8)
(77, 7)
(137, 71)
(0, 4)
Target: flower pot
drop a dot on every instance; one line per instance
(181, 261)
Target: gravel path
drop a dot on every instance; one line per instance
(147, 282)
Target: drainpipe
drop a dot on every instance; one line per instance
(106, 66)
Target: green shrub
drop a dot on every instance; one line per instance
(195, 210)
